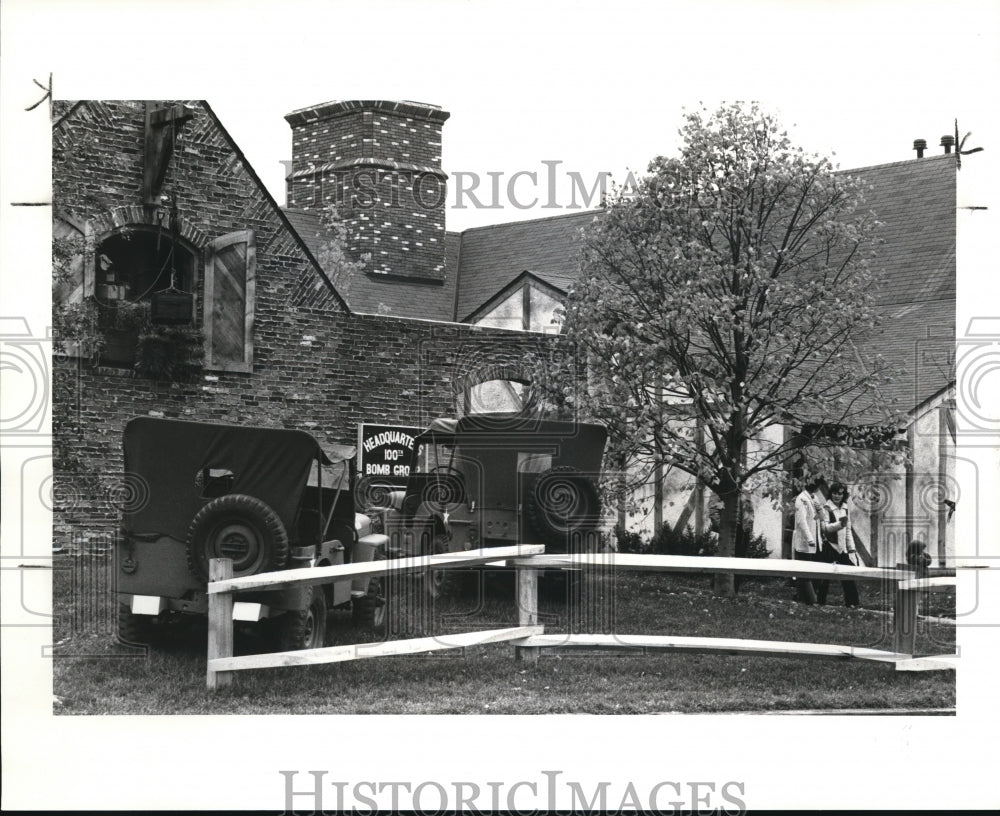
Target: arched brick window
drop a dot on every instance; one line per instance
(497, 389)
(131, 268)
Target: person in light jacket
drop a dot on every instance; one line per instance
(839, 543)
(807, 536)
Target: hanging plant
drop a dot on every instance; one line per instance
(127, 316)
(121, 324)
(174, 353)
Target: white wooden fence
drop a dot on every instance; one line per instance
(529, 637)
(222, 587)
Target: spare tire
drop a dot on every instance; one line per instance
(239, 527)
(562, 500)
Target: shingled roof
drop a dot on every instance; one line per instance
(479, 262)
(371, 294)
(491, 257)
(915, 201)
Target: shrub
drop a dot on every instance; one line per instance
(669, 542)
(757, 548)
(630, 542)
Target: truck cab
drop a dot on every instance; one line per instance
(500, 479)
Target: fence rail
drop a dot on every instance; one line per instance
(709, 565)
(314, 576)
(529, 638)
(223, 586)
(361, 651)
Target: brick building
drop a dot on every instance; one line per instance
(159, 200)
(427, 317)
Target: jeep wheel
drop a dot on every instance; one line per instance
(239, 527)
(134, 630)
(431, 584)
(305, 629)
(560, 501)
(369, 612)
(439, 583)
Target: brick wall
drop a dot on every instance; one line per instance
(326, 373)
(316, 366)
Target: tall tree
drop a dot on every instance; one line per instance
(724, 295)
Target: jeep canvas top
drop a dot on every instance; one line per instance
(266, 498)
(492, 479)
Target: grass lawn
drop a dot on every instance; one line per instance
(92, 675)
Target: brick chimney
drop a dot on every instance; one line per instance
(379, 163)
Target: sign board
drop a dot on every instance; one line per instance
(384, 452)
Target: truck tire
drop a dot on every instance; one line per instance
(239, 527)
(369, 612)
(562, 500)
(305, 629)
(134, 630)
(438, 584)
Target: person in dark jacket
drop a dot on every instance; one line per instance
(918, 558)
(838, 545)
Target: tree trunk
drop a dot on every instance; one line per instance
(725, 583)
(622, 495)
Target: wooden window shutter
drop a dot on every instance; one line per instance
(230, 273)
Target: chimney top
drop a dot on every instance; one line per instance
(920, 145)
(327, 110)
(947, 141)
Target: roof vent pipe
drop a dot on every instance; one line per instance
(947, 142)
(920, 145)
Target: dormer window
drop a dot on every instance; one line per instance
(527, 304)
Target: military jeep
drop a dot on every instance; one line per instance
(269, 499)
(488, 480)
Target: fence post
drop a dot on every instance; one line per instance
(527, 610)
(904, 620)
(220, 623)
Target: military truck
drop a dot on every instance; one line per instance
(498, 479)
(267, 498)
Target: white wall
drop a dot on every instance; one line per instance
(905, 507)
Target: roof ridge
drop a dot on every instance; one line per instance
(925, 160)
(594, 211)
